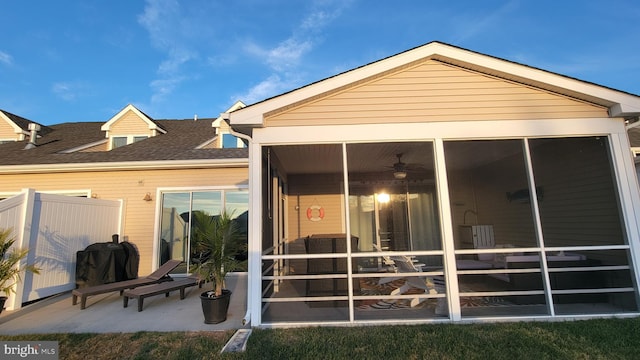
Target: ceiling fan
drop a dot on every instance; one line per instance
(399, 168)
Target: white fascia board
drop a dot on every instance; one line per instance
(127, 165)
(628, 103)
(253, 115)
(225, 115)
(624, 110)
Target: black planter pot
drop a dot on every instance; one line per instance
(215, 309)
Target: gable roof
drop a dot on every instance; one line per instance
(177, 148)
(19, 124)
(143, 117)
(619, 104)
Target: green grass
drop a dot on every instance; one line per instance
(588, 339)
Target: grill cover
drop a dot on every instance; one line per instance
(103, 263)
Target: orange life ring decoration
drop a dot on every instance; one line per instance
(315, 213)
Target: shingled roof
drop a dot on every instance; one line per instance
(23, 123)
(180, 142)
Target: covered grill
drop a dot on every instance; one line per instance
(103, 263)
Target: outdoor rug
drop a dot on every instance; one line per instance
(370, 287)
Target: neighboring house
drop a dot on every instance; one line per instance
(513, 187)
(161, 170)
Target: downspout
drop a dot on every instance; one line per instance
(247, 316)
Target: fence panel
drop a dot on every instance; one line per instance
(55, 228)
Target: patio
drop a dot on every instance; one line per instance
(105, 313)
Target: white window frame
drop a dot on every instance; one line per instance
(130, 139)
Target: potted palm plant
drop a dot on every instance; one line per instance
(10, 265)
(219, 242)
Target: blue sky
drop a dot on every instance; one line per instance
(70, 61)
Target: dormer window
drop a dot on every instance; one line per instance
(229, 141)
(128, 126)
(118, 141)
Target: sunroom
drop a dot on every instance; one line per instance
(441, 185)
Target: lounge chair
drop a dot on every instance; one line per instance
(160, 288)
(158, 276)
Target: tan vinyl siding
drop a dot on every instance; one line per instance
(306, 191)
(130, 124)
(100, 147)
(433, 91)
(6, 131)
(131, 187)
(300, 226)
(213, 144)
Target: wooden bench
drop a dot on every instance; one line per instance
(140, 293)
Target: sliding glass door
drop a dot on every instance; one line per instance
(178, 209)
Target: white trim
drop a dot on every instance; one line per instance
(225, 115)
(79, 192)
(16, 129)
(446, 226)
(254, 293)
(125, 165)
(130, 139)
(201, 188)
(83, 147)
(499, 129)
(206, 143)
(619, 103)
(629, 197)
(174, 189)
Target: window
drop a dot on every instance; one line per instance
(118, 141)
(229, 141)
(178, 208)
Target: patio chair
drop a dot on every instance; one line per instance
(407, 264)
(160, 275)
(142, 292)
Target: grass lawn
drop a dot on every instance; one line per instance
(588, 339)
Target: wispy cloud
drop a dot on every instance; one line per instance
(164, 87)
(5, 58)
(164, 21)
(284, 58)
(469, 27)
(70, 91)
(273, 85)
(285, 55)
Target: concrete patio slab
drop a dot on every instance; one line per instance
(106, 314)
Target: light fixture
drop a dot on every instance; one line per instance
(399, 169)
(383, 198)
(147, 197)
(399, 174)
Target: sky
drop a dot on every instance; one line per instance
(85, 60)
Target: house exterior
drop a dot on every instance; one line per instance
(161, 170)
(441, 184)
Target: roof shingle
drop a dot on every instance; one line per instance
(179, 143)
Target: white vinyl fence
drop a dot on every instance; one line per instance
(54, 228)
